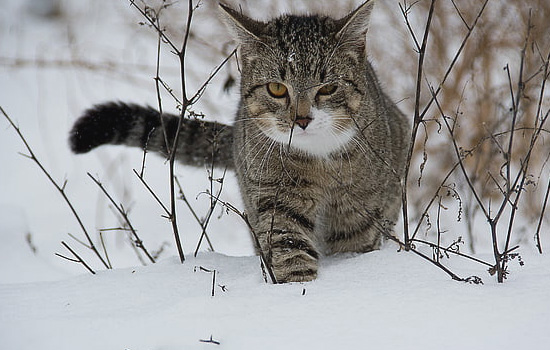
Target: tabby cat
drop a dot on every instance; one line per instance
(317, 147)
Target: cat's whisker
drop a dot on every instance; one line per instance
(252, 140)
(265, 160)
(356, 141)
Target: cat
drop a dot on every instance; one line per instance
(318, 148)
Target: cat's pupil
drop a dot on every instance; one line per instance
(277, 90)
(328, 89)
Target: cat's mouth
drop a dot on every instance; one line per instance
(318, 135)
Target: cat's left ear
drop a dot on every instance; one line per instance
(244, 29)
(354, 26)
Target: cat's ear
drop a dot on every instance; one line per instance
(244, 29)
(354, 26)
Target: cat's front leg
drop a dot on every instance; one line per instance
(355, 220)
(285, 228)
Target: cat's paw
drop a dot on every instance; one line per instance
(295, 274)
(294, 260)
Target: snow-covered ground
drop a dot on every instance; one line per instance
(51, 68)
(381, 300)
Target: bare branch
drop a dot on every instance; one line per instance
(416, 123)
(59, 188)
(265, 262)
(77, 259)
(136, 240)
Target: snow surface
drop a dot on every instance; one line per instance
(381, 300)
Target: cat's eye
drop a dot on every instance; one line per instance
(277, 90)
(328, 89)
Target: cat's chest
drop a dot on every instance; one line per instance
(327, 174)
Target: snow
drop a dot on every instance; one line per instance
(381, 300)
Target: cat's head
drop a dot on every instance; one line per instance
(303, 78)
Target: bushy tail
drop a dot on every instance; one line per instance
(200, 142)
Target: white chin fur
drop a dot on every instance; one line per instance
(319, 139)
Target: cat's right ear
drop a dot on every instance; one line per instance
(354, 26)
(243, 29)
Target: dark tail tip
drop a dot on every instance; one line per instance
(102, 124)
(81, 136)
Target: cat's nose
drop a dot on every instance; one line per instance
(303, 122)
(303, 112)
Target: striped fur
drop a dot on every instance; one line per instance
(317, 147)
(118, 123)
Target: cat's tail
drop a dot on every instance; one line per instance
(199, 143)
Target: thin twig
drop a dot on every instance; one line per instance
(265, 262)
(204, 223)
(416, 122)
(211, 341)
(412, 249)
(469, 257)
(458, 155)
(173, 150)
(60, 189)
(102, 241)
(183, 197)
(78, 258)
(153, 24)
(137, 241)
(460, 14)
(150, 190)
(200, 91)
(541, 217)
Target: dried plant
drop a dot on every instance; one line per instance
(478, 129)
